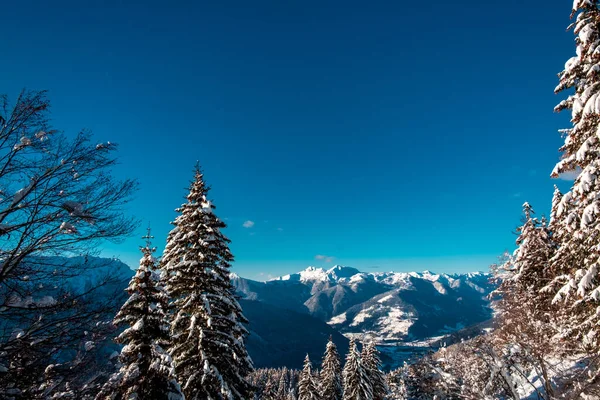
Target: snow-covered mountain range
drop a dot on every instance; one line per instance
(295, 314)
(384, 306)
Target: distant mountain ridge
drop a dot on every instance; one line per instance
(384, 306)
(295, 314)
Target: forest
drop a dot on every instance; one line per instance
(179, 331)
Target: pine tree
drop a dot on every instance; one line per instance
(207, 334)
(530, 261)
(269, 392)
(331, 373)
(282, 386)
(372, 363)
(578, 216)
(524, 308)
(147, 371)
(356, 381)
(307, 387)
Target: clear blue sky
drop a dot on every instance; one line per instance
(398, 135)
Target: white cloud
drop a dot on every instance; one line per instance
(280, 229)
(325, 258)
(248, 224)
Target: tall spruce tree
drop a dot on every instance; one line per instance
(530, 260)
(282, 386)
(147, 371)
(207, 334)
(356, 381)
(308, 388)
(372, 364)
(577, 261)
(269, 392)
(331, 373)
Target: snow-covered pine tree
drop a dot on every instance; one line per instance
(577, 261)
(291, 395)
(308, 389)
(147, 371)
(372, 364)
(207, 334)
(556, 204)
(269, 392)
(529, 270)
(356, 382)
(524, 309)
(282, 386)
(331, 373)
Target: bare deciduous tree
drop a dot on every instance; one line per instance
(57, 198)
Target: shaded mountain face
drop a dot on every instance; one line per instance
(295, 314)
(386, 307)
(280, 337)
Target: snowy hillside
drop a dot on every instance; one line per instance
(387, 306)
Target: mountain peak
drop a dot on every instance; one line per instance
(313, 274)
(340, 271)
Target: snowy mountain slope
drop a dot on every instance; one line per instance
(385, 306)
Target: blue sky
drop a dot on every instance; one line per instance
(383, 135)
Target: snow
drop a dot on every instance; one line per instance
(398, 279)
(21, 193)
(358, 278)
(16, 301)
(68, 228)
(139, 325)
(397, 323)
(89, 345)
(46, 301)
(338, 319)
(24, 142)
(313, 274)
(430, 276)
(474, 286)
(385, 298)
(362, 316)
(41, 135)
(439, 287)
(587, 280)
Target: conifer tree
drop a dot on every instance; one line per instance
(147, 371)
(524, 307)
(576, 264)
(291, 395)
(207, 334)
(269, 392)
(282, 386)
(530, 261)
(307, 387)
(356, 381)
(331, 373)
(372, 363)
